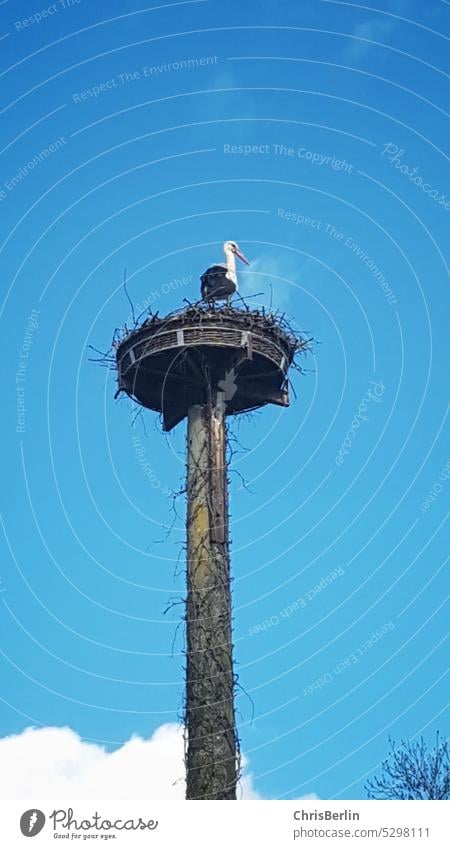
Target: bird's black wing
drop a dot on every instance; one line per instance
(211, 277)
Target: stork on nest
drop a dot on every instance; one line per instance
(219, 282)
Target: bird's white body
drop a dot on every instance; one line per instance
(220, 282)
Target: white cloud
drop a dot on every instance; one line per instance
(55, 763)
(375, 29)
(231, 100)
(274, 279)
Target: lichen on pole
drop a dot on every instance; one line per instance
(212, 756)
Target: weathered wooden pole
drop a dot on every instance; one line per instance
(212, 756)
(204, 362)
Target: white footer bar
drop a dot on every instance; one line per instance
(215, 825)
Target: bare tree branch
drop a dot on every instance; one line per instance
(412, 771)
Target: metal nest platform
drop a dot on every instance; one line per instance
(168, 364)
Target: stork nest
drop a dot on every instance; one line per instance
(259, 321)
(168, 363)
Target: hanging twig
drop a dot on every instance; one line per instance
(129, 299)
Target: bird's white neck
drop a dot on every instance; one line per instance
(231, 259)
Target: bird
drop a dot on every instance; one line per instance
(219, 282)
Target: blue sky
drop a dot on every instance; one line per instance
(315, 135)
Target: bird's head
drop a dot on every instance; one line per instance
(233, 247)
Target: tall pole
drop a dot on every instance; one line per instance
(212, 756)
(194, 363)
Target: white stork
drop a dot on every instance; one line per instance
(219, 282)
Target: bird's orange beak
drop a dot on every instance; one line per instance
(242, 257)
